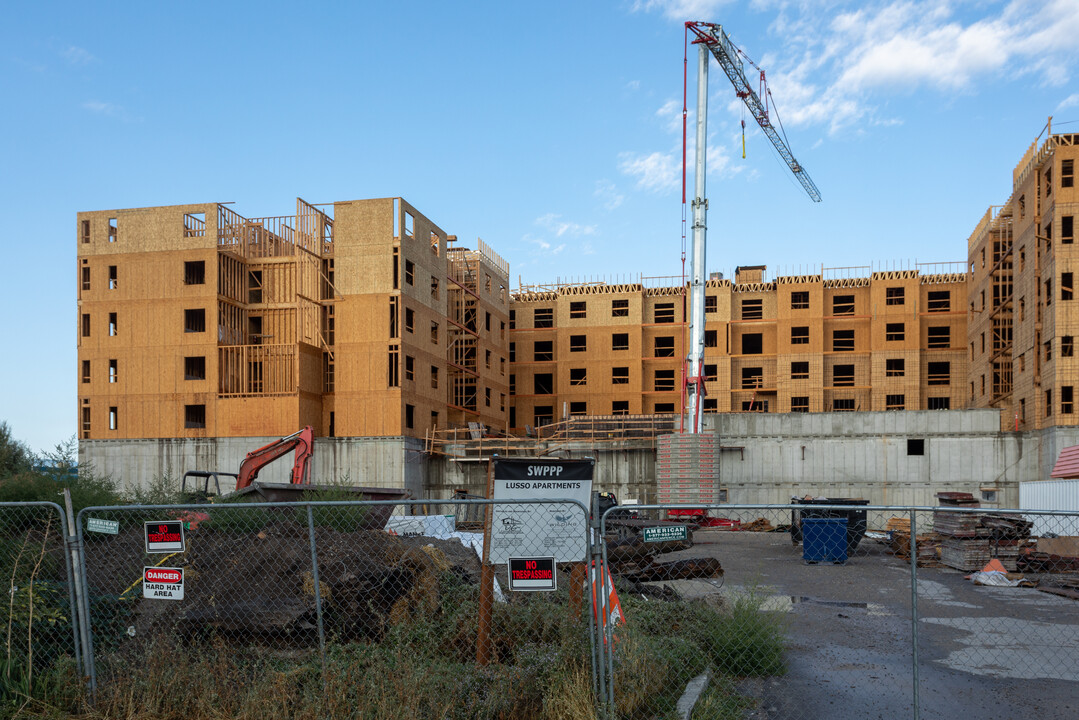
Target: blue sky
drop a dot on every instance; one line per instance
(551, 130)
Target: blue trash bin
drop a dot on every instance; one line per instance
(824, 540)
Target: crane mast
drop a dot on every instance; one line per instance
(710, 37)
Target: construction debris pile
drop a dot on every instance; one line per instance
(970, 540)
(927, 545)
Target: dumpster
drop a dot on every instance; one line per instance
(855, 517)
(824, 540)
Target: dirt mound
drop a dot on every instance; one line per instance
(258, 588)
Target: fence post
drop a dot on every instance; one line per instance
(82, 601)
(914, 606)
(318, 592)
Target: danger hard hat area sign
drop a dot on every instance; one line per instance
(532, 574)
(161, 583)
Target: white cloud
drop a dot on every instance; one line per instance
(682, 10)
(109, 110)
(633, 85)
(559, 227)
(77, 55)
(543, 246)
(836, 61)
(1070, 101)
(655, 172)
(608, 194)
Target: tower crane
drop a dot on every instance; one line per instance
(710, 37)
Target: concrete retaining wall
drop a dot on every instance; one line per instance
(771, 457)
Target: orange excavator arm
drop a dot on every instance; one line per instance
(302, 442)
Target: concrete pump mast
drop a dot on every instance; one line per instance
(710, 37)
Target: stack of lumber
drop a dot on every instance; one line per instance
(967, 554)
(927, 545)
(1063, 585)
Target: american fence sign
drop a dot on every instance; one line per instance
(664, 533)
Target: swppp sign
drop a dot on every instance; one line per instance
(550, 529)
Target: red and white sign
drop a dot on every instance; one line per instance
(531, 573)
(162, 583)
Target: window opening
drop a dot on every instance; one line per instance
(664, 313)
(939, 301)
(894, 332)
(543, 351)
(895, 402)
(752, 378)
(194, 224)
(543, 384)
(938, 403)
(112, 372)
(434, 377)
(410, 368)
(543, 317)
(843, 405)
(939, 373)
(578, 343)
(800, 300)
(195, 273)
(578, 376)
(799, 370)
(393, 366)
(799, 336)
(843, 340)
(664, 347)
(843, 376)
(752, 344)
(195, 368)
(664, 380)
(194, 416)
(843, 305)
(112, 325)
(752, 309)
(800, 403)
(86, 371)
(112, 277)
(895, 367)
(711, 304)
(894, 295)
(410, 272)
(114, 230)
(620, 407)
(620, 341)
(941, 337)
(620, 376)
(578, 310)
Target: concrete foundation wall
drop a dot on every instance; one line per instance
(770, 458)
(376, 462)
(866, 455)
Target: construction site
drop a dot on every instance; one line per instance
(203, 334)
(698, 496)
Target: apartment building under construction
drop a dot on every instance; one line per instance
(361, 319)
(838, 341)
(1024, 315)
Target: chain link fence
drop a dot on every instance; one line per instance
(384, 609)
(332, 609)
(819, 611)
(40, 660)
